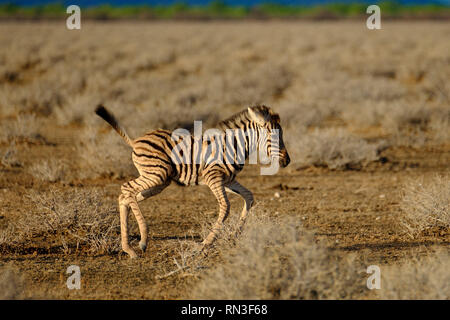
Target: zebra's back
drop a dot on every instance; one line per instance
(186, 161)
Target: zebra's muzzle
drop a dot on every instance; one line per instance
(285, 160)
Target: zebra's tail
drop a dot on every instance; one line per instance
(102, 112)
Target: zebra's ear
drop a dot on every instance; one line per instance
(276, 118)
(256, 116)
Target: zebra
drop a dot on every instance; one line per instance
(162, 157)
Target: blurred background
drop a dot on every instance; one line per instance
(225, 9)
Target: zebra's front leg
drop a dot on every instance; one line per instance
(236, 187)
(217, 187)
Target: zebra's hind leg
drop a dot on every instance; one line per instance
(132, 192)
(124, 208)
(142, 196)
(236, 187)
(216, 184)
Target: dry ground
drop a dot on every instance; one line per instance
(366, 117)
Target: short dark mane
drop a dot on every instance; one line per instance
(234, 120)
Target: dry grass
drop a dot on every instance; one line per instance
(426, 204)
(25, 127)
(277, 259)
(333, 148)
(52, 170)
(103, 154)
(9, 157)
(440, 127)
(75, 218)
(424, 278)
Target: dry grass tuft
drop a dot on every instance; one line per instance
(417, 124)
(73, 218)
(426, 204)
(25, 127)
(52, 170)
(103, 154)
(277, 259)
(426, 278)
(440, 127)
(333, 148)
(9, 157)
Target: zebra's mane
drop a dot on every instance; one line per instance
(243, 116)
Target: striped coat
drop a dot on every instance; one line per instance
(213, 158)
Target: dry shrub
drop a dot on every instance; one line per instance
(417, 124)
(25, 127)
(172, 118)
(367, 113)
(407, 123)
(426, 278)
(295, 115)
(277, 259)
(410, 114)
(72, 217)
(11, 285)
(426, 204)
(332, 148)
(440, 127)
(52, 170)
(6, 235)
(103, 154)
(186, 262)
(257, 85)
(9, 157)
(75, 110)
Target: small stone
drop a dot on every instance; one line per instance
(277, 195)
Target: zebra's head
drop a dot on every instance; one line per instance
(268, 123)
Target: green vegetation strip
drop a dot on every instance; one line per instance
(219, 9)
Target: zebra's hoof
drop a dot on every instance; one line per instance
(132, 255)
(143, 246)
(128, 250)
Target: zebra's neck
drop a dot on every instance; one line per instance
(243, 138)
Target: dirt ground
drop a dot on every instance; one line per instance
(353, 209)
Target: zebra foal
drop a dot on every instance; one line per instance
(162, 156)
